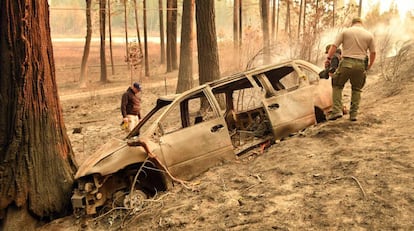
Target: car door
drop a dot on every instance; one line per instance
(291, 108)
(194, 137)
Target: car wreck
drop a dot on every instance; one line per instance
(186, 134)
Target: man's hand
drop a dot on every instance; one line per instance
(327, 62)
(125, 119)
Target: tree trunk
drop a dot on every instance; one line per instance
(264, 10)
(84, 67)
(273, 21)
(102, 27)
(277, 19)
(185, 71)
(287, 21)
(110, 37)
(240, 23)
(36, 159)
(126, 32)
(236, 25)
(162, 42)
(333, 12)
(146, 40)
(300, 19)
(171, 35)
(208, 58)
(137, 27)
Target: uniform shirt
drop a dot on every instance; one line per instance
(130, 104)
(355, 42)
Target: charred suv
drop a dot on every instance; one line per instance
(188, 133)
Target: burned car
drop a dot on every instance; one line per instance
(186, 134)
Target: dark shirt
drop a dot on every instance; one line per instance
(130, 104)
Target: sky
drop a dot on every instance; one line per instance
(403, 5)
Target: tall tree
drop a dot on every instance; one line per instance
(110, 37)
(88, 38)
(162, 42)
(36, 158)
(208, 58)
(273, 20)
(137, 24)
(171, 35)
(236, 28)
(264, 10)
(300, 18)
(102, 29)
(145, 39)
(185, 70)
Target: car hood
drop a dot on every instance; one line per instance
(111, 157)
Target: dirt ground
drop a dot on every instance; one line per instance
(338, 175)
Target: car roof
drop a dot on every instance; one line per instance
(239, 75)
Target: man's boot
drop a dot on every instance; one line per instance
(337, 104)
(355, 99)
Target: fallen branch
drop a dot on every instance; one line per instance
(356, 180)
(91, 121)
(363, 192)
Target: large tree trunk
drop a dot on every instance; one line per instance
(185, 71)
(171, 35)
(36, 159)
(102, 27)
(84, 67)
(162, 42)
(208, 58)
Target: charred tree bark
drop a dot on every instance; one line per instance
(88, 38)
(208, 58)
(102, 29)
(36, 158)
(185, 71)
(162, 42)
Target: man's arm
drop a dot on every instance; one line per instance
(329, 56)
(124, 102)
(372, 56)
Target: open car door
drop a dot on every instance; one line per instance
(291, 107)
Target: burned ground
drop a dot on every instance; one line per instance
(337, 175)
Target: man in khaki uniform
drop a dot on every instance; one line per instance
(356, 42)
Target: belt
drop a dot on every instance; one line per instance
(354, 59)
